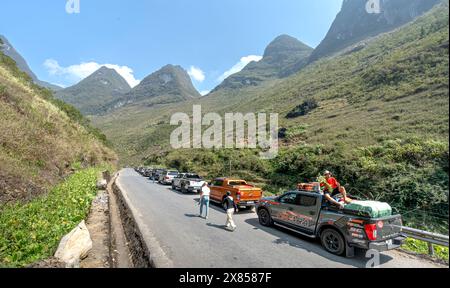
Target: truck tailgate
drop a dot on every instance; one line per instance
(250, 194)
(388, 227)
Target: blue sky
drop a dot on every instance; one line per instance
(137, 37)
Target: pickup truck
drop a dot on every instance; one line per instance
(188, 183)
(244, 194)
(309, 214)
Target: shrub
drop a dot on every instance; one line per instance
(303, 109)
(421, 247)
(2, 90)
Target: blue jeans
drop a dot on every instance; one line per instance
(204, 202)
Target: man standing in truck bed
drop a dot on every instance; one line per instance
(335, 188)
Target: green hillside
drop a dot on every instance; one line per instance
(381, 122)
(42, 139)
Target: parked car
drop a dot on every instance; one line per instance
(147, 172)
(155, 174)
(307, 213)
(139, 170)
(166, 176)
(244, 194)
(188, 183)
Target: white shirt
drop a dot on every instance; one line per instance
(206, 191)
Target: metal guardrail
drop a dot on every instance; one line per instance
(430, 238)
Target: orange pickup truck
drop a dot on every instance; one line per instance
(244, 194)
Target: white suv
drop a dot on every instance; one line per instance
(166, 177)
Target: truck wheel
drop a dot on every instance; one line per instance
(333, 242)
(183, 189)
(264, 218)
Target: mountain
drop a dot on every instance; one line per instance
(92, 94)
(284, 56)
(354, 24)
(42, 138)
(170, 84)
(9, 51)
(384, 91)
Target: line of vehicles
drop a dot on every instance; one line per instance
(246, 196)
(302, 211)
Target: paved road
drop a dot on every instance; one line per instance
(192, 242)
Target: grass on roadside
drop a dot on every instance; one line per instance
(421, 247)
(31, 232)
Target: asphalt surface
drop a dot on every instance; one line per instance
(170, 217)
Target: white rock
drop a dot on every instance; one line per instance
(74, 246)
(102, 184)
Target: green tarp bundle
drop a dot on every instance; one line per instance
(372, 209)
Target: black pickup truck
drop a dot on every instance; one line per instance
(340, 232)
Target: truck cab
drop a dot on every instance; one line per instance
(309, 214)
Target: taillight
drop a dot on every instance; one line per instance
(167, 177)
(371, 231)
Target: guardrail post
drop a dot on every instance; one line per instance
(430, 249)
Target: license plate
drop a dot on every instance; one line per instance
(251, 202)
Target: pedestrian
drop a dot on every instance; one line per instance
(204, 199)
(231, 208)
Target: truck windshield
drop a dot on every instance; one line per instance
(193, 176)
(237, 183)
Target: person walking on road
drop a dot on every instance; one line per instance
(231, 208)
(204, 200)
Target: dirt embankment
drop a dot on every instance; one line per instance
(98, 226)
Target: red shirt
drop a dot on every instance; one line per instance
(333, 183)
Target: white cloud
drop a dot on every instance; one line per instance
(205, 92)
(197, 74)
(239, 66)
(78, 72)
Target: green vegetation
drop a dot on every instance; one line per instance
(31, 232)
(41, 137)
(303, 109)
(421, 247)
(47, 94)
